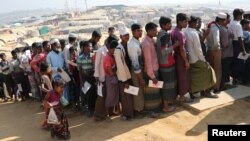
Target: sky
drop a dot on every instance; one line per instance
(16, 5)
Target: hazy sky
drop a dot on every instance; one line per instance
(14, 5)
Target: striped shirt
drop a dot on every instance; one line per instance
(85, 63)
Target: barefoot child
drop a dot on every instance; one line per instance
(46, 87)
(61, 130)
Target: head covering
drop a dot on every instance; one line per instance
(71, 35)
(57, 77)
(52, 41)
(247, 13)
(123, 31)
(222, 15)
(58, 80)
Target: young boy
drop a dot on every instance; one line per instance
(18, 74)
(85, 65)
(74, 74)
(245, 23)
(181, 57)
(166, 60)
(7, 78)
(238, 46)
(246, 40)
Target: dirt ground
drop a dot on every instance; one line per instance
(20, 121)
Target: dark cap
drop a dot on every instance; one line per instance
(244, 21)
(192, 19)
(96, 34)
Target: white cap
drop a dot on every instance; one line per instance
(123, 31)
(247, 12)
(72, 35)
(52, 41)
(222, 15)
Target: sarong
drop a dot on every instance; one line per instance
(202, 76)
(152, 97)
(168, 76)
(112, 95)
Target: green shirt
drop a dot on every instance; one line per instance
(85, 63)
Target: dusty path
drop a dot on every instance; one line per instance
(21, 122)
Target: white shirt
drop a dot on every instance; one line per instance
(99, 70)
(66, 54)
(135, 54)
(25, 65)
(193, 46)
(236, 28)
(213, 38)
(122, 72)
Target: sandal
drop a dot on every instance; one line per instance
(170, 109)
(108, 119)
(125, 118)
(154, 115)
(186, 100)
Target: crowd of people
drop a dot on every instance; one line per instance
(188, 59)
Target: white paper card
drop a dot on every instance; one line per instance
(132, 90)
(99, 90)
(20, 87)
(243, 57)
(86, 87)
(158, 85)
(54, 103)
(28, 54)
(71, 63)
(92, 54)
(65, 76)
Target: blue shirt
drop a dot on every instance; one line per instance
(56, 60)
(246, 36)
(246, 39)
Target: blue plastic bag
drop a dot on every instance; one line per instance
(64, 101)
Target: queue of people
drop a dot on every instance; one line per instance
(188, 59)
